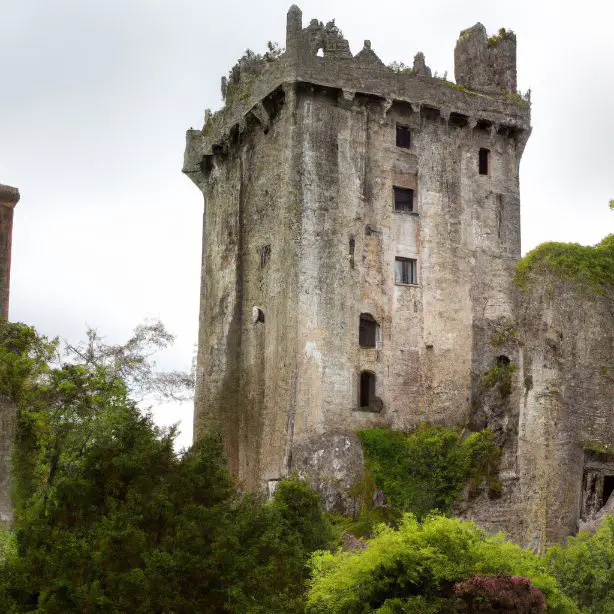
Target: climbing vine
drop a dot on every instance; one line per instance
(427, 469)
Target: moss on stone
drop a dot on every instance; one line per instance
(604, 450)
(503, 337)
(499, 375)
(497, 38)
(429, 468)
(591, 266)
(461, 88)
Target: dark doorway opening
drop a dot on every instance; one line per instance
(367, 388)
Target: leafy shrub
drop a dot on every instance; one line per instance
(414, 569)
(499, 375)
(427, 469)
(585, 568)
(591, 266)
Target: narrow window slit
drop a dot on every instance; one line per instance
(265, 255)
(484, 161)
(367, 389)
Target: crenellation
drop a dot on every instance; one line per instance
(420, 68)
(489, 94)
(483, 63)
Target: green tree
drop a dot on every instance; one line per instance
(585, 568)
(414, 569)
(109, 518)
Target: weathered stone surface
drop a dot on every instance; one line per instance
(483, 63)
(9, 197)
(312, 187)
(332, 463)
(299, 174)
(566, 413)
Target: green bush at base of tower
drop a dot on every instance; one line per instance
(415, 568)
(428, 469)
(585, 568)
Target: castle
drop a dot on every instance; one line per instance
(360, 234)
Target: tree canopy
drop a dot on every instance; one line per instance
(109, 518)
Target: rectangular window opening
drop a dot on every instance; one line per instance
(403, 136)
(405, 271)
(367, 331)
(484, 161)
(403, 199)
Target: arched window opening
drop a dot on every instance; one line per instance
(367, 331)
(503, 361)
(257, 315)
(367, 389)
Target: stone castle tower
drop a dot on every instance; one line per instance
(360, 231)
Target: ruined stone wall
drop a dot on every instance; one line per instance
(8, 427)
(567, 369)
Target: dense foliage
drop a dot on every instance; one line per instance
(416, 567)
(427, 470)
(593, 266)
(109, 518)
(585, 568)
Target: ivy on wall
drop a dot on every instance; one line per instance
(428, 469)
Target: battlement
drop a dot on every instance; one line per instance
(486, 63)
(318, 55)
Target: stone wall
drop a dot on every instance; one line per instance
(566, 417)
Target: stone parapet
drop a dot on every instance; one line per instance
(364, 75)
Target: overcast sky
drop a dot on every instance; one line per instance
(96, 97)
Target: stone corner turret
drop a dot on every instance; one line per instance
(486, 63)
